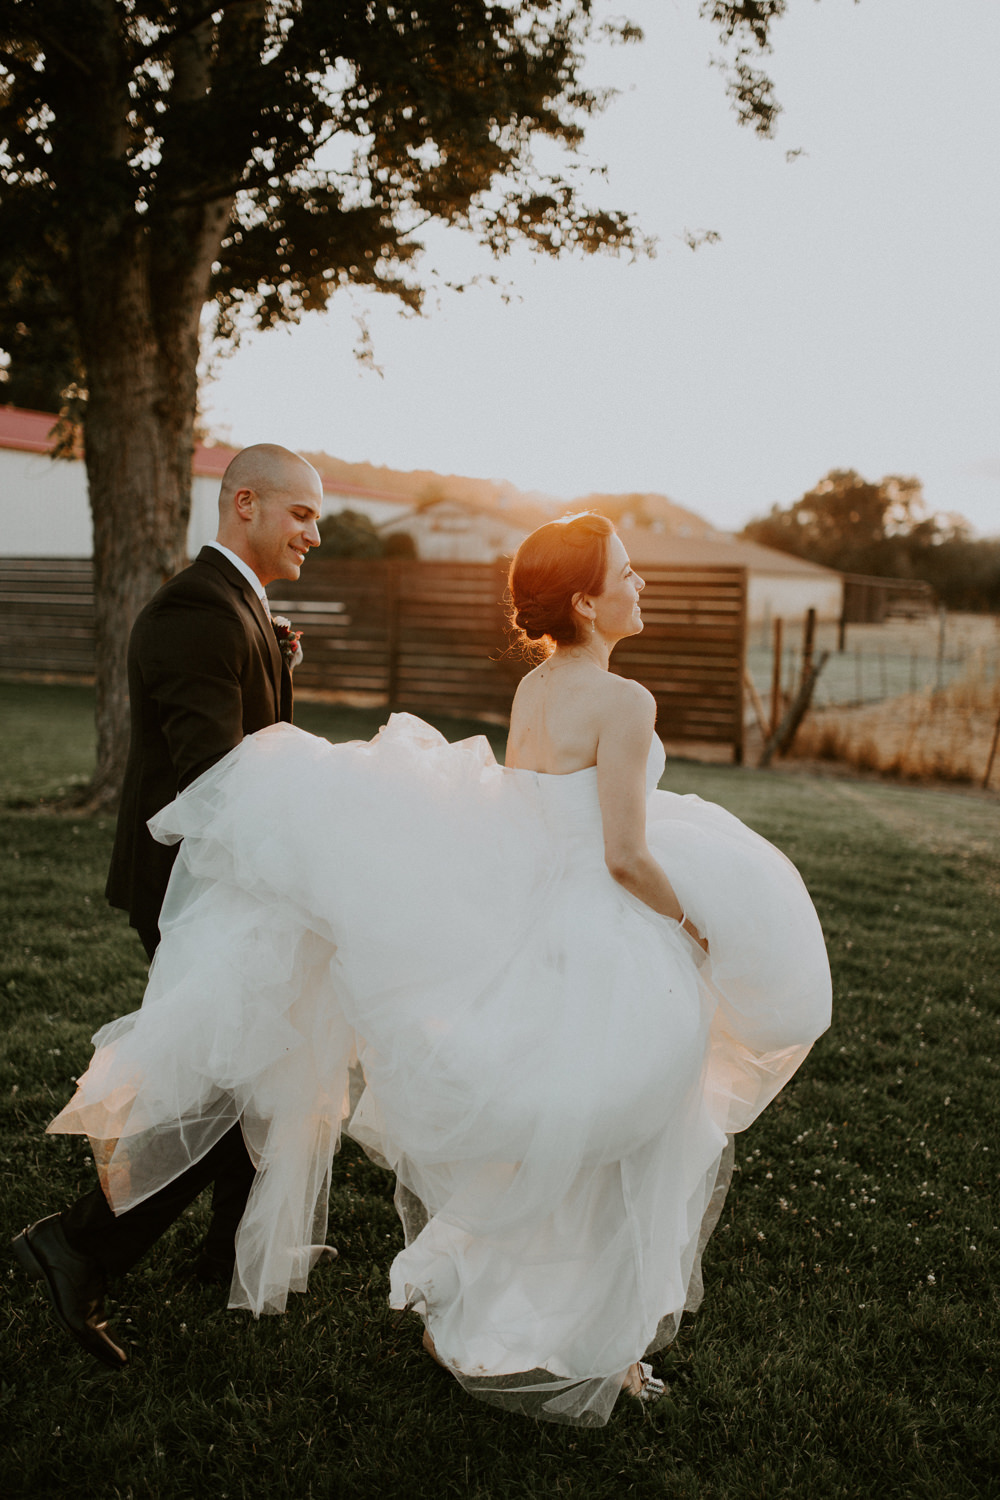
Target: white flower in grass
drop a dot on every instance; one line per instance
(931, 1279)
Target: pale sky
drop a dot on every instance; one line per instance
(849, 316)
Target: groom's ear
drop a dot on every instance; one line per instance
(243, 503)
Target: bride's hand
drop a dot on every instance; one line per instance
(688, 926)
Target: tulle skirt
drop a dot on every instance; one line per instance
(552, 1070)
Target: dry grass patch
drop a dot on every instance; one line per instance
(926, 736)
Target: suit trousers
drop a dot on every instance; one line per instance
(117, 1241)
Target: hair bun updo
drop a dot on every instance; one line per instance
(530, 619)
(553, 564)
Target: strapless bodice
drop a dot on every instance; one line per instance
(569, 805)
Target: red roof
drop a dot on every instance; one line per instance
(28, 430)
(31, 432)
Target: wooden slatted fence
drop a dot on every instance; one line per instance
(691, 652)
(47, 616)
(430, 637)
(423, 636)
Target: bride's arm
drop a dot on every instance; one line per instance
(622, 752)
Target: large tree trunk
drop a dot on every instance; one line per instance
(141, 273)
(140, 325)
(139, 444)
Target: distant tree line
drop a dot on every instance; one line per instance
(350, 533)
(885, 529)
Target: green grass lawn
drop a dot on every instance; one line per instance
(848, 1341)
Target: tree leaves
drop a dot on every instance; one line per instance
(885, 530)
(295, 146)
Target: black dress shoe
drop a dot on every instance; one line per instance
(76, 1286)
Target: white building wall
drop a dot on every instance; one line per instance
(443, 534)
(44, 510)
(43, 506)
(783, 596)
(204, 521)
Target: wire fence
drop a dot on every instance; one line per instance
(879, 662)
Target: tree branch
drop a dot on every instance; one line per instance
(53, 44)
(167, 39)
(15, 65)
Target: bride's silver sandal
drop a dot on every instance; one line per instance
(650, 1388)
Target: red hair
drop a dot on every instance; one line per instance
(560, 559)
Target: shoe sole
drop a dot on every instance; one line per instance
(29, 1262)
(26, 1257)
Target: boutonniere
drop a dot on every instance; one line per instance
(288, 641)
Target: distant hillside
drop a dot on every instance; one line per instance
(415, 485)
(655, 512)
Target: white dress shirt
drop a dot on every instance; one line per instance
(245, 569)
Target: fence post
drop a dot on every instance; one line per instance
(808, 640)
(758, 707)
(744, 638)
(782, 737)
(776, 675)
(392, 567)
(993, 751)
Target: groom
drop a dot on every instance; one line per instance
(204, 669)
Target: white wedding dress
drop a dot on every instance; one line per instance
(550, 1068)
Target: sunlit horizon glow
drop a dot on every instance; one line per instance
(847, 318)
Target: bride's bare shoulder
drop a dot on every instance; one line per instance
(626, 712)
(531, 679)
(628, 696)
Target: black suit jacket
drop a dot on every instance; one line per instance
(204, 669)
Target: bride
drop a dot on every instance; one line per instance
(543, 995)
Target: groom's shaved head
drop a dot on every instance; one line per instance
(269, 506)
(267, 469)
